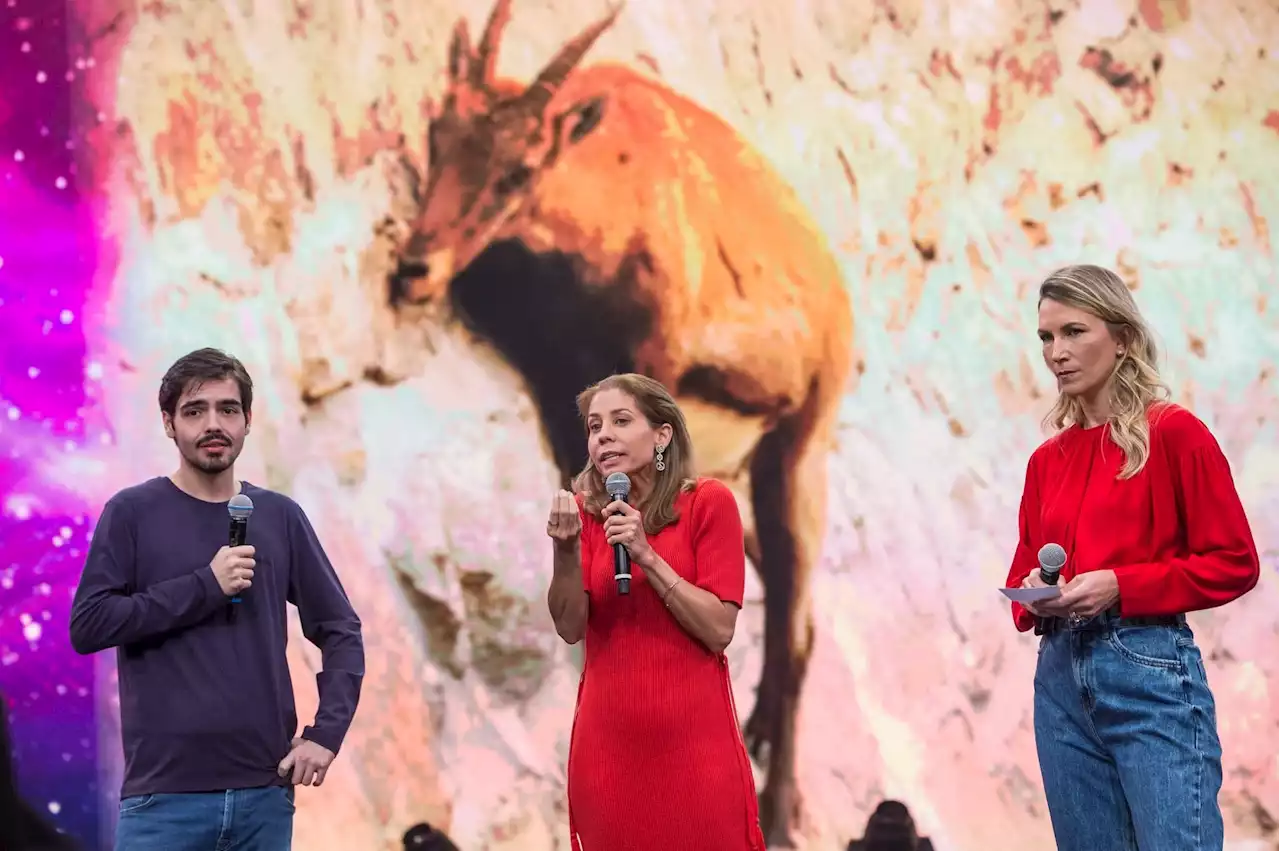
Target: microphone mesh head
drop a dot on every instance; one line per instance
(240, 507)
(618, 486)
(1052, 557)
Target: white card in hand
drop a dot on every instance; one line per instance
(1032, 595)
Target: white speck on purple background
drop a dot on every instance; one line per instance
(46, 235)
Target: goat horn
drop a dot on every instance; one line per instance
(459, 51)
(553, 75)
(486, 55)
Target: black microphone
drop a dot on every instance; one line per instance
(619, 487)
(1052, 557)
(240, 507)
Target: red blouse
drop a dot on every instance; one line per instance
(1175, 534)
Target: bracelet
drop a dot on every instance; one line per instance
(667, 593)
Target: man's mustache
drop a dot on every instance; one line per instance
(214, 438)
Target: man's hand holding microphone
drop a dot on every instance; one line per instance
(233, 568)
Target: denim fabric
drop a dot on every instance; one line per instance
(1127, 737)
(236, 820)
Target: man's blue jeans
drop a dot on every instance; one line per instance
(1127, 737)
(241, 819)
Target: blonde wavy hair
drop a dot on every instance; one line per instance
(1135, 382)
(655, 404)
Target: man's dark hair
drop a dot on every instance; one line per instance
(201, 366)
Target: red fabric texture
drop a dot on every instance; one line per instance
(656, 759)
(1175, 534)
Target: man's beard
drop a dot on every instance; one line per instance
(212, 466)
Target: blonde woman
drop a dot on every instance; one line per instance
(1139, 494)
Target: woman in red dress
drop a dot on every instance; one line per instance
(1139, 494)
(656, 759)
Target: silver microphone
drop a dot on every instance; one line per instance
(240, 508)
(618, 487)
(1052, 557)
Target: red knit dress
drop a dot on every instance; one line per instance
(656, 759)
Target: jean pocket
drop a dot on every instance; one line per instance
(1149, 646)
(134, 803)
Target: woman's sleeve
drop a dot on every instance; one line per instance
(1221, 561)
(1024, 555)
(719, 556)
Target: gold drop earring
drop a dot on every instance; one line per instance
(658, 463)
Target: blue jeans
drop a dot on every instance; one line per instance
(235, 820)
(1127, 738)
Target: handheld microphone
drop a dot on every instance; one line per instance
(618, 487)
(1051, 557)
(240, 507)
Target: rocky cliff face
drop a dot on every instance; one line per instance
(252, 181)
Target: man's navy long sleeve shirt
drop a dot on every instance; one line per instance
(206, 701)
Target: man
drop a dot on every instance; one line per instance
(206, 703)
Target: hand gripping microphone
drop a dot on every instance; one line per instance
(619, 487)
(240, 507)
(1052, 557)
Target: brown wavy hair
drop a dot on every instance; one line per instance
(655, 404)
(1135, 381)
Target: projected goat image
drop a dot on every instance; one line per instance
(594, 221)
